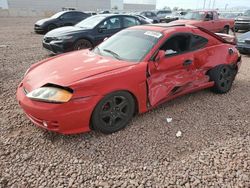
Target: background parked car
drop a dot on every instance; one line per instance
(151, 15)
(171, 17)
(60, 19)
(88, 33)
(208, 20)
(243, 22)
(243, 43)
(161, 14)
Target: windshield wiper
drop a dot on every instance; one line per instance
(113, 54)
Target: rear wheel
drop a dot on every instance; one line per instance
(82, 44)
(113, 112)
(223, 77)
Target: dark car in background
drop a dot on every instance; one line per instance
(88, 33)
(243, 43)
(161, 14)
(243, 22)
(151, 15)
(60, 19)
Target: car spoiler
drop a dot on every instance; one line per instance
(225, 38)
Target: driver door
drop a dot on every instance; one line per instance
(174, 72)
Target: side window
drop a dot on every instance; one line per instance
(148, 14)
(111, 23)
(209, 16)
(79, 15)
(177, 44)
(68, 15)
(129, 21)
(198, 42)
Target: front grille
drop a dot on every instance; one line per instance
(25, 91)
(243, 21)
(48, 39)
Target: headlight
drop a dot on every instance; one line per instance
(50, 94)
(64, 37)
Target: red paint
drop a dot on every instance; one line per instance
(91, 77)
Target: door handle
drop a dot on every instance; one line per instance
(187, 62)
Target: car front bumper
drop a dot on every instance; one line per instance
(39, 29)
(57, 47)
(66, 118)
(242, 26)
(243, 48)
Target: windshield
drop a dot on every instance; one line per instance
(129, 45)
(247, 13)
(90, 22)
(194, 16)
(57, 15)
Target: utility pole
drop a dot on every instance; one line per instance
(204, 5)
(209, 4)
(213, 4)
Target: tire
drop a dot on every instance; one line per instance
(51, 27)
(113, 112)
(82, 44)
(223, 77)
(226, 30)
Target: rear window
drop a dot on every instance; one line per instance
(198, 42)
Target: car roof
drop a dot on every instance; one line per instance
(163, 27)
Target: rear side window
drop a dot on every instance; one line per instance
(68, 15)
(177, 44)
(130, 21)
(198, 42)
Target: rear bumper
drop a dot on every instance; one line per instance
(66, 118)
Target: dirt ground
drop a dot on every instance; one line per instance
(213, 151)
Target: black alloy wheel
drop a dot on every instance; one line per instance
(82, 44)
(223, 76)
(114, 112)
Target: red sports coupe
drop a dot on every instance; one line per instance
(131, 72)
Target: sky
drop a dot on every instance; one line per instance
(196, 4)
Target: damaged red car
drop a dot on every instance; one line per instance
(131, 72)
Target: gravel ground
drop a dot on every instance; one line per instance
(213, 150)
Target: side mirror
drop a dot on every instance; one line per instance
(160, 56)
(102, 28)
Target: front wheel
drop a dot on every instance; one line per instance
(113, 112)
(223, 77)
(51, 27)
(82, 44)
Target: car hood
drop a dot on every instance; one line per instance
(65, 31)
(188, 22)
(68, 68)
(245, 36)
(243, 18)
(42, 21)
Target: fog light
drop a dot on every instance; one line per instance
(45, 124)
